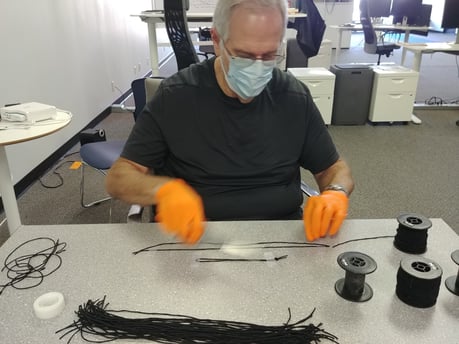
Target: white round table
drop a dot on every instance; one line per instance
(12, 133)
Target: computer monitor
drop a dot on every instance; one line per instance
(379, 8)
(451, 16)
(406, 11)
(423, 20)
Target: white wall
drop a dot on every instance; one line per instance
(436, 16)
(67, 53)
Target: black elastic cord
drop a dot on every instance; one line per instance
(257, 245)
(362, 239)
(219, 246)
(219, 260)
(28, 270)
(97, 324)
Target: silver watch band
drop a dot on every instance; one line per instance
(336, 187)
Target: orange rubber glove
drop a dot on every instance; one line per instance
(324, 214)
(180, 211)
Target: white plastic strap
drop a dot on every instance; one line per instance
(49, 305)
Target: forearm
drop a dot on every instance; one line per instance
(339, 173)
(132, 183)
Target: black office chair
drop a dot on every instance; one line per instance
(204, 35)
(179, 35)
(372, 46)
(101, 155)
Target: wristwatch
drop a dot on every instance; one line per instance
(336, 187)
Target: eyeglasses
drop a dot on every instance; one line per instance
(269, 60)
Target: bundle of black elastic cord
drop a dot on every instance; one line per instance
(95, 321)
(26, 267)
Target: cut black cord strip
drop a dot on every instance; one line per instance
(362, 239)
(258, 245)
(219, 260)
(28, 270)
(262, 245)
(97, 324)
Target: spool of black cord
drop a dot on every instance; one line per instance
(353, 287)
(418, 282)
(411, 234)
(452, 282)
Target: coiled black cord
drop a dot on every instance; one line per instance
(27, 268)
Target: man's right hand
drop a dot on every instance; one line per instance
(180, 211)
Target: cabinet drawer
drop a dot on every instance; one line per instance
(319, 86)
(391, 107)
(391, 84)
(325, 105)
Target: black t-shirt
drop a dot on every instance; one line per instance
(243, 159)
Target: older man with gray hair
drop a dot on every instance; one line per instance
(225, 139)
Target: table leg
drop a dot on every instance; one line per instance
(338, 45)
(416, 67)
(406, 39)
(417, 61)
(153, 45)
(7, 192)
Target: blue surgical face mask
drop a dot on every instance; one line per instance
(247, 77)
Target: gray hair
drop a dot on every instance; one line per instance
(224, 10)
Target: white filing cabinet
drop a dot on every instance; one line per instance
(323, 57)
(393, 95)
(321, 83)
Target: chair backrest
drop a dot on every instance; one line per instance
(143, 90)
(138, 91)
(371, 41)
(179, 35)
(151, 86)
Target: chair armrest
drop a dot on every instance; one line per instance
(135, 214)
(307, 190)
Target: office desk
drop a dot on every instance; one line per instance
(98, 261)
(377, 27)
(428, 48)
(154, 17)
(13, 136)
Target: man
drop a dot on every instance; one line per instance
(224, 139)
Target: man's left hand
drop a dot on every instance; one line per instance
(324, 214)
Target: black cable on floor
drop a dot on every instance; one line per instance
(56, 173)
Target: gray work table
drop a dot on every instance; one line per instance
(98, 261)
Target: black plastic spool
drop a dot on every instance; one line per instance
(353, 287)
(452, 282)
(411, 234)
(418, 281)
